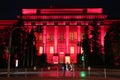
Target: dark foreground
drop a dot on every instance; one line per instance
(57, 78)
(58, 74)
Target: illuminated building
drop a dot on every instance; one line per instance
(63, 30)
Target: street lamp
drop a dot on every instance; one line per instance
(9, 53)
(83, 60)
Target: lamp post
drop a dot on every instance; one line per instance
(83, 60)
(83, 56)
(9, 53)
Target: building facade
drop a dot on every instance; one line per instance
(61, 30)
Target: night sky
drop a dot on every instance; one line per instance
(9, 9)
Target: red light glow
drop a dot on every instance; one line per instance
(29, 11)
(94, 10)
(65, 17)
(63, 30)
(62, 36)
(62, 11)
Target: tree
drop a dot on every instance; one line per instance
(31, 49)
(18, 39)
(42, 60)
(112, 45)
(3, 61)
(96, 47)
(4, 34)
(19, 23)
(79, 61)
(17, 47)
(86, 46)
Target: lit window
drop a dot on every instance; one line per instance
(67, 59)
(51, 37)
(40, 50)
(61, 52)
(61, 36)
(81, 50)
(51, 50)
(40, 37)
(72, 50)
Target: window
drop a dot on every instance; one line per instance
(72, 50)
(71, 36)
(61, 52)
(51, 50)
(40, 37)
(61, 36)
(51, 37)
(81, 50)
(40, 50)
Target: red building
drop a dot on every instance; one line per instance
(63, 30)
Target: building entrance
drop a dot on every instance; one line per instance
(61, 57)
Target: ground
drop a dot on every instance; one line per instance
(56, 73)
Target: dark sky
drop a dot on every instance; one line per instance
(9, 9)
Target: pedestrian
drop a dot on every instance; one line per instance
(63, 68)
(67, 66)
(70, 67)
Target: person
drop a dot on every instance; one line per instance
(63, 66)
(68, 67)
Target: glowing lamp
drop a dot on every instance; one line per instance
(16, 63)
(83, 74)
(82, 58)
(29, 11)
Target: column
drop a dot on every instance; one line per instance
(89, 31)
(102, 31)
(102, 34)
(44, 39)
(55, 38)
(78, 38)
(67, 39)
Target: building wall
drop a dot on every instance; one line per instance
(61, 42)
(63, 30)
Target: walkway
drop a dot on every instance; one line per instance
(55, 73)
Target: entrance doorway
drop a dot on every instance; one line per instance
(67, 59)
(61, 58)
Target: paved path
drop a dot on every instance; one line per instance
(56, 78)
(58, 74)
(54, 75)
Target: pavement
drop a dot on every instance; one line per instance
(56, 78)
(55, 73)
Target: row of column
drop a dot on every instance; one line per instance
(79, 33)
